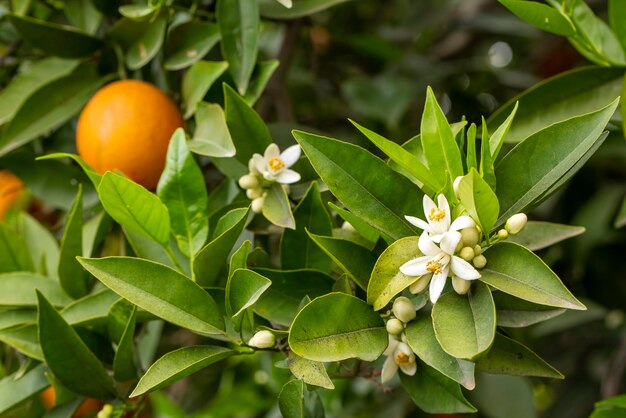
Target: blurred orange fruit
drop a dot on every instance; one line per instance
(127, 126)
(11, 189)
(88, 409)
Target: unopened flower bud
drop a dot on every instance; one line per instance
(106, 411)
(420, 284)
(262, 339)
(467, 253)
(516, 223)
(455, 185)
(403, 309)
(248, 182)
(479, 261)
(470, 236)
(503, 234)
(254, 193)
(395, 326)
(461, 286)
(347, 226)
(477, 250)
(252, 167)
(459, 246)
(257, 204)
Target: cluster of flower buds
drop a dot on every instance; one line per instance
(399, 354)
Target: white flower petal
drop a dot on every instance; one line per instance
(419, 223)
(287, 177)
(463, 269)
(291, 155)
(449, 241)
(389, 369)
(416, 267)
(427, 246)
(429, 205)
(437, 283)
(271, 151)
(391, 347)
(409, 369)
(259, 163)
(443, 205)
(437, 237)
(462, 222)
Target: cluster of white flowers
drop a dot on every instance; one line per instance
(271, 167)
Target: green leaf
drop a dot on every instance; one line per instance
(83, 14)
(197, 81)
(160, 291)
(300, 8)
(309, 371)
(239, 25)
(68, 357)
(189, 42)
(518, 313)
(297, 250)
(538, 235)
(479, 200)
(124, 361)
(89, 171)
(368, 232)
(14, 317)
(410, 163)
(499, 136)
(92, 310)
(60, 40)
(49, 107)
(540, 15)
(465, 326)
(544, 158)
(617, 17)
(137, 12)
(561, 97)
(515, 270)
(71, 275)
(386, 280)
(471, 148)
(209, 262)
(183, 191)
(435, 393)
(14, 254)
(211, 136)
(440, 149)
(357, 262)
(261, 75)
(16, 289)
(421, 338)
(24, 339)
(178, 364)
(486, 160)
(42, 245)
(291, 400)
(620, 218)
(277, 207)
(281, 302)
(367, 186)
(507, 356)
(336, 327)
(15, 389)
(141, 40)
(244, 289)
(135, 208)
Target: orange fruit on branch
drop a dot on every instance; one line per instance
(127, 126)
(89, 408)
(11, 189)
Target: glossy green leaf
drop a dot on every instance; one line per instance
(17, 289)
(15, 389)
(357, 262)
(89, 171)
(14, 255)
(261, 75)
(300, 8)
(465, 325)
(83, 14)
(49, 107)
(368, 232)
(134, 207)
(479, 200)
(183, 191)
(538, 235)
(54, 39)
(15, 317)
(90, 310)
(211, 136)
(499, 136)
(517, 313)
(421, 338)
(177, 364)
(160, 291)
(197, 81)
(291, 400)
(353, 329)
(124, 361)
(42, 245)
(386, 280)
(561, 97)
(486, 160)
(277, 207)
(471, 159)
(239, 25)
(209, 262)
(515, 270)
(68, 357)
(367, 186)
(189, 42)
(507, 356)
(24, 339)
(137, 12)
(71, 275)
(118, 317)
(244, 289)
(540, 15)
(435, 393)
(297, 250)
(309, 371)
(544, 158)
(617, 17)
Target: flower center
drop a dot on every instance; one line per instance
(434, 266)
(403, 359)
(436, 214)
(275, 164)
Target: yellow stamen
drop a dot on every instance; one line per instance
(403, 359)
(276, 164)
(436, 214)
(434, 266)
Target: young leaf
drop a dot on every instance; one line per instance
(189, 42)
(135, 208)
(277, 208)
(297, 250)
(515, 270)
(367, 186)
(16, 389)
(486, 160)
(309, 371)
(68, 357)
(124, 361)
(211, 137)
(159, 290)
(245, 288)
(479, 200)
(178, 364)
(71, 275)
(16, 289)
(538, 235)
(497, 139)
(386, 280)
(197, 81)
(518, 313)
(471, 159)
(465, 325)
(183, 191)
(541, 15)
(336, 327)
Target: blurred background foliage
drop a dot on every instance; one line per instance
(371, 61)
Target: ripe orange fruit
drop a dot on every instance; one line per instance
(11, 189)
(88, 409)
(127, 126)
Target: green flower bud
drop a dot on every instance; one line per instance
(470, 236)
(477, 250)
(467, 253)
(479, 261)
(262, 339)
(461, 286)
(503, 234)
(248, 182)
(395, 326)
(516, 223)
(257, 204)
(254, 193)
(403, 309)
